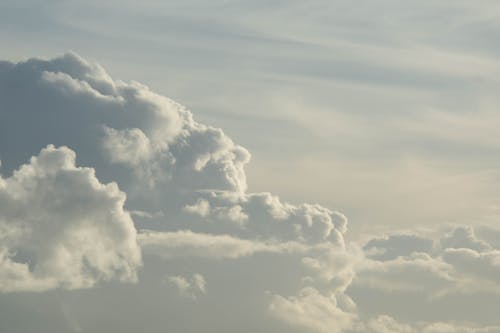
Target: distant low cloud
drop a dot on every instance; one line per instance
(314, 311)
(189, 244)
(386, 324)
(437, 274)
(190, 287)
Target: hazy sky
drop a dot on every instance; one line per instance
(352, 188)
(381, 107)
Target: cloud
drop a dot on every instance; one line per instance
(432, 276)
(185, 181)
(394, 246)
(151, 146)
(115, 124)
(464, 238)
(191, 287)
(265, 215)
(149, 166)
(387, 324)
(457, 260)
(61, 227)
(312, 310)
(189, 244)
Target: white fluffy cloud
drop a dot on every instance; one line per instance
(265, 215)
(151, 146)
(59, 226)
(113, 123)
(185, 185)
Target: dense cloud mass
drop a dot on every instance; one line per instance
(60, 227)
(97, 171)
(150, 145)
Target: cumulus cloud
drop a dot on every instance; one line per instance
(151, 146)
(184, 185)
(59, 226)
(265, 215)
(427, 276)
(455, 261)
(113, 123)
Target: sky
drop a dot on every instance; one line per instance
(249, 166)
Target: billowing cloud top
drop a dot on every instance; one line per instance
(105, 181)
(163, 159)
(61, 227)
